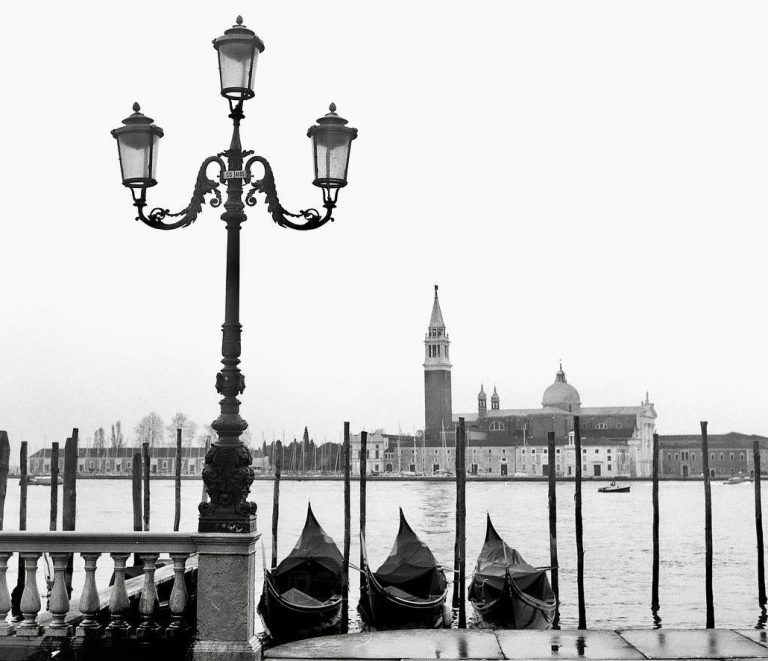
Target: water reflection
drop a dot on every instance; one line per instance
(761, 621)
(656, 618)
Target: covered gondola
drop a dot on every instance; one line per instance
(409, 588)
(508, 592)
(302, 595)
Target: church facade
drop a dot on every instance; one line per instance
(616, 440)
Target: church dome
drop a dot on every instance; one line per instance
(561, 394)
(481, 394)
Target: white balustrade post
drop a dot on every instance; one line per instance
(118, 600)
(89, 598)
(30, 598)
(148, 600)
(58, 603)
(226, 597)
(179, 597)
(6, 628)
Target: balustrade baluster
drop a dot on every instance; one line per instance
(30, 598)
(6, 628)
(179, 597)
(58, 603)
(118, 600)
(89, 598)
(148, 600)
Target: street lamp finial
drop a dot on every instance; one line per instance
(136, 107)
(239, 20)
(332, 107)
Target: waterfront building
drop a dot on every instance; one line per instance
(119, 461)
(730, 455)
(616, 440)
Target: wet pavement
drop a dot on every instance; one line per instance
(563, 644)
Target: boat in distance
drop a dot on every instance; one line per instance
(506, 591)
(408, 590)
(44, 480)
(302, 595)
(615, 487)
(738, 479)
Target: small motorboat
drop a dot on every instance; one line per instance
(508, 592)
(302, 595)
(38, 480)
(408, 590)
(615, 487)
(738, 479)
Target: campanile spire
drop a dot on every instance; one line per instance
(437, 375)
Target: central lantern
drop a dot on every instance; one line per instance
(238, 50)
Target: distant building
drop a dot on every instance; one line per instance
(110, 461)
(730, 455)
(616, 440)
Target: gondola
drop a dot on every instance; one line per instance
(508, 592)
(302, 595)
(408, 590)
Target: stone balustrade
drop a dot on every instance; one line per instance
(223, 622)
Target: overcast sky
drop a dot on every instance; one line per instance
(584, 180)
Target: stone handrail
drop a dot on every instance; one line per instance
(224, 618)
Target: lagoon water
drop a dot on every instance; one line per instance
(617, 536)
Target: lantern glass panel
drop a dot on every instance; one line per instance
(331, 157)
(237, 62)
(138, 157)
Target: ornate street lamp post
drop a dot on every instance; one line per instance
(227, 473)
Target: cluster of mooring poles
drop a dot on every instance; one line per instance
(140, 493)
(459, 586)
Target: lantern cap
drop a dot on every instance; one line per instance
(136, 120)
(239, 32)
(332, 119)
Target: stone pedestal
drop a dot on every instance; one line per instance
(226, 598)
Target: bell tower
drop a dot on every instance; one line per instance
(438, 411)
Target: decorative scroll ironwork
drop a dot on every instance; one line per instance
(266, 185)
(203, 186)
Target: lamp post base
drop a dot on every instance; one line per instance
(227, 476)
(221, 523)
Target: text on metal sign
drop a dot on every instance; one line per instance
(234, 174)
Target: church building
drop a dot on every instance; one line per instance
(616, 440)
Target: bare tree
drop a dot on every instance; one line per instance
(188, 429)
(150, 430)
(99, 438)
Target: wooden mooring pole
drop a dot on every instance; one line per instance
(177, 485)
(655, 498)
(5, 460)
(23, 478)
(461, 519)
(707, 526)
(363, 458)
(579, 528)
(278, 453)
(54, 485)
(145, 466)
(347, 533)
(136, 490)
(553, 524)
(69, 497)
(759, 526)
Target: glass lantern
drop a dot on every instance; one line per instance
(137, 143)
(331, 141)
(238, 50)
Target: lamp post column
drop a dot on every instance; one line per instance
(227, 473)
